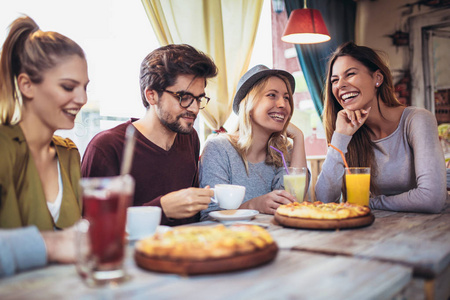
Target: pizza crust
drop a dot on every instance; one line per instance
(200, 243)
(323, 211)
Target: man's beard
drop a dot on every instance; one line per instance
(175, 125)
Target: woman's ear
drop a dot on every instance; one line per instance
(378, 78)
(151, 96)
(25, 85)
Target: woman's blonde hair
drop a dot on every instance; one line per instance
(361, 148)
(242, 138)
(28, 50)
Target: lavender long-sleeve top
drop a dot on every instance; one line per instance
(411, 167)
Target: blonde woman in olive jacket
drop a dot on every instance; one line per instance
(42, 88)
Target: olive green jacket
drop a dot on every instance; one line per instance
(22, 199)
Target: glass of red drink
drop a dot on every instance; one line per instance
(101, 240)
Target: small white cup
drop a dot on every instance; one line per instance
(142, 221)
(228, 196)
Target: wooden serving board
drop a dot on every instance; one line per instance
(211, 266)
(324, 223)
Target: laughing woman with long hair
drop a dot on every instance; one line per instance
(264, 105)
(364, 120)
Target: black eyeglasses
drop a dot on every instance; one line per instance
(186, 99)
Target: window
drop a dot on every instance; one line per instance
(115, 35)
(284, 56)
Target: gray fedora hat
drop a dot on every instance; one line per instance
(251, 77)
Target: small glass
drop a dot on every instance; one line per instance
(295, 183)
(357, 181)
(101, 241)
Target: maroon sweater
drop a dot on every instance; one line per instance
(156, 171)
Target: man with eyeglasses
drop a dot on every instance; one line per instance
(165, 164)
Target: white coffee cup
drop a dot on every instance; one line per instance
(228, 196)
(142, 221)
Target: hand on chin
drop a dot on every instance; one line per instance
(349, 121)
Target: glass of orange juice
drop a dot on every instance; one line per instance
(357, 181)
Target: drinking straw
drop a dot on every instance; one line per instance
(127, 158)
(343, 156)
(282, 157)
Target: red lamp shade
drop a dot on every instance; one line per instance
(305, 26)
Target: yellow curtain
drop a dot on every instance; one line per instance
(156, 16)
(224, 29)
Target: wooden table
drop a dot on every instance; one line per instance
(401, 255)
(292, 275)
(419, 241)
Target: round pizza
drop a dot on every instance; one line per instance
(322, 211)
(202, 243)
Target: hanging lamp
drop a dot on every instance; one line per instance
(305, 26)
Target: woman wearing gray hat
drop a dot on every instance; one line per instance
(264, 105)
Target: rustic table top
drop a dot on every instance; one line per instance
(374, 262)
(293, 274)
(421, 241)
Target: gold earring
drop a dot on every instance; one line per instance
(17, 92)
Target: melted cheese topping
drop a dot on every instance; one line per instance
(203, 242)
(320, 210)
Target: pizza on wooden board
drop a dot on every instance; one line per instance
(323, 211)
(195, 249)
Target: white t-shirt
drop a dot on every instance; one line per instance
(55, 207)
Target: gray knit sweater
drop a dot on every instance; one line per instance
(221, 163)
(411, 167)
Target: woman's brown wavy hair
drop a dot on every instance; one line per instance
(361, 148)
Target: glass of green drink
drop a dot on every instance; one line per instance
(295, 182)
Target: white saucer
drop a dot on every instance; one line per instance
(233, 214)
(160, 229)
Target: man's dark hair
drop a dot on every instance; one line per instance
(161, 67)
